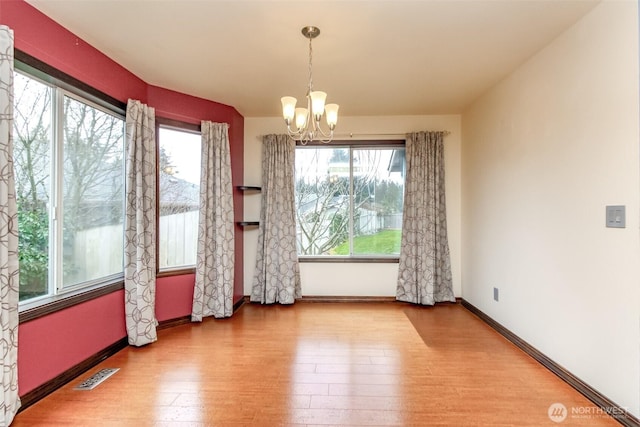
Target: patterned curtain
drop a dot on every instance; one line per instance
(213, 292)
(140, 225)
(277, 275)
(424, 271)
(9, 281)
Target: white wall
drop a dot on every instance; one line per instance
(354, 279)
(543, 153)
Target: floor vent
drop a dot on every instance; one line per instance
(95, 379)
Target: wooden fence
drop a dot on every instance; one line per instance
(98, 251)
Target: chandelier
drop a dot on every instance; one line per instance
(307, 124)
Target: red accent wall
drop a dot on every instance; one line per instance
(236, 135)
(174, 296)
(177, 106)
(52, 344)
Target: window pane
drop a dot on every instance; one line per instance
(349, 200)
(32, 165)
(378, 181)
(322, 199)
(93, 193)
(179, 172)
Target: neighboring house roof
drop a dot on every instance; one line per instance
(178, 192)
(396, 163)
(177, 196)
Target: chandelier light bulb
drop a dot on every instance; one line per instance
(301, 118)
(288, 108)
(332, 115)
(317, 104)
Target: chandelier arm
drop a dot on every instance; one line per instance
(316, 133)
(305, 137)
(324, 134)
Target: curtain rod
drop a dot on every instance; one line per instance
(387, 135)
(398, 135)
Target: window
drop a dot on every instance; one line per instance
(69, 172)
(179, 184)
(349, 200)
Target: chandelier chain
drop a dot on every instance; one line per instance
(310, 66)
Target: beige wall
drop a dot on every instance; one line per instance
(543, 153)
(355, 279)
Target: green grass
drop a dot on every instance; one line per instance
(385, 242)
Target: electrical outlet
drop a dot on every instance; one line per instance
(496, 294)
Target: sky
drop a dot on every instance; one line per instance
(183, 149)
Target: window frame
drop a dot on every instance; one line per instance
(166, 123)
(358, 144)
(65, 85)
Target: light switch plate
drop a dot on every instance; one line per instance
(616, 216)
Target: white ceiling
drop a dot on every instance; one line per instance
(373, 57)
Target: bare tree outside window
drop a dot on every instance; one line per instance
(32, 166)
(348, 201)
(93, 191)
(91, 196)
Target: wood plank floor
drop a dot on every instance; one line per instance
(341, 364)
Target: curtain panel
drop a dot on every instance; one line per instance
(424, 270)
(140, 224)
(9, 273)
(213, 291)
(277, 273)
